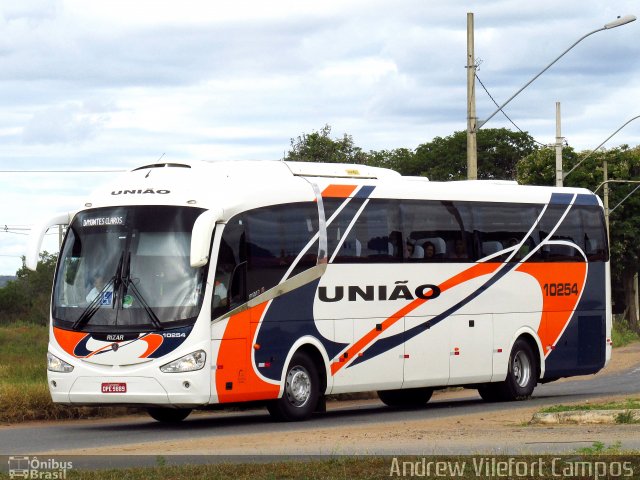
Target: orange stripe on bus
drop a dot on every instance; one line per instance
(338, 191)
(557, 308)
(105, 347)
(477, 270)
(235, 355)
(153, 341)
(68, 339)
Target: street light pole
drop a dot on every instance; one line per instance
(598, 147)
(616, 23)
(471, 155)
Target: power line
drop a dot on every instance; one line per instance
(63, 171)
(505, 113)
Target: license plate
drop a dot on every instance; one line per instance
(114, 388)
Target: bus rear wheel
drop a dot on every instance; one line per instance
(168, 415)
(522, 376)
(301, 391)
(407, 398)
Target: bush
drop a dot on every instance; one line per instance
(621, 333)
(27, 299)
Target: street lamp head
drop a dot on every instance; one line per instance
(620, 21)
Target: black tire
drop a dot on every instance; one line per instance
(168, 415)
(522, 376)
(407, 398)
(301, 391)
(490, 392)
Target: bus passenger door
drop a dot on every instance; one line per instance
(426, 353)
(471, 348)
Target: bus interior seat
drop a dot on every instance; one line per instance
(491, 247)
(560, 251)
(351, 248)
(418, 252)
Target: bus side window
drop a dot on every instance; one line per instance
(566, 236)
(230, 256)
(376, 235)
(584, 227)
(502, 227)
(439, 228)
(237, 294)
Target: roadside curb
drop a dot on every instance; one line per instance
(587, 417)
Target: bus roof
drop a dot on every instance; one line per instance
(239, 185)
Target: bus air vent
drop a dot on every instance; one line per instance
(162, 165)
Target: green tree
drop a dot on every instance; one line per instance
(318, 146)
(27, 298)
(402, 160)
(499, 151)
(539, 168)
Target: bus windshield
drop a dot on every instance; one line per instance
(128, 269)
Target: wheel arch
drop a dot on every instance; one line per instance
(533, 340)
(526, 333)
(315, 350)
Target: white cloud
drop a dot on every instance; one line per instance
(70, 123)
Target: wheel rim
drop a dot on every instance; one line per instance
(298, 387)
(521, 368)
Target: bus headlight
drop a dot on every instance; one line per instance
(189, 363)
(56, 365)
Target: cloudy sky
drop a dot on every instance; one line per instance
(110, 85)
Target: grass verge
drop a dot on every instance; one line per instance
(353, 468)
(628, 404)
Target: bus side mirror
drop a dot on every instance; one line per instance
(201, 237)
(37, 235)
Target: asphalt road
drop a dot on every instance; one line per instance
(60, 436)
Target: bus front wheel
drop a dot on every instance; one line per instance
(168, 415)
(301, 390)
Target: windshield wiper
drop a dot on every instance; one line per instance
(126, 279)
(121, 282)
(94, 305)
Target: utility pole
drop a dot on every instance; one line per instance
(559, 139)
(472, 144)
(605, 195)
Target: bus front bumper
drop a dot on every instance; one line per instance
(129, 390)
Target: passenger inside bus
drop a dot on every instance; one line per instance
(429, 251)
(220, 297)
(459, 249)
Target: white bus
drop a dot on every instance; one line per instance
(185, 285)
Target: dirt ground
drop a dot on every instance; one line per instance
(488, 432)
